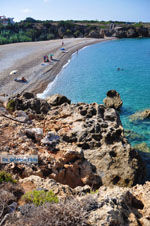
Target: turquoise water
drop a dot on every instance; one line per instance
(93, 71)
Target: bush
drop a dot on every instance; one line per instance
(65, 213)
(6, 177)
(76, 33)
(10, 105)
(50, 36)
(40, 197)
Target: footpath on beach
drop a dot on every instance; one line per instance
(27, 60)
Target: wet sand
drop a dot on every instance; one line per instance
(27, 58)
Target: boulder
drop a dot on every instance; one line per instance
(57, 99)
(73, 169)
(113, 100)
(28, 95)
(28, 102)
(50, 140)
(21, 116)
(34, 133)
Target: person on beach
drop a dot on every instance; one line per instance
(46, 59)
(23, 79)
(62, 43)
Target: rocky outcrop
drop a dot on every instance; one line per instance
(57, 99)
(113, 100)
(29, 103)
(140, 115)
(106, 206)
(37, 183)
(77, 144)
(119, 206)
(94, 34)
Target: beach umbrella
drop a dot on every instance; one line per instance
(62, 49)
(13, 72)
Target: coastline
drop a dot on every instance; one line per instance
(30, 63)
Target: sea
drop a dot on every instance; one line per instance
(93, 70)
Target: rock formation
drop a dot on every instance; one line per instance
(140, 115)
(113, 100)
(77, 144)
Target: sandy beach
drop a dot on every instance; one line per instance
(27, 58)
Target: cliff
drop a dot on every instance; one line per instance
(34, 30)
(80, 147)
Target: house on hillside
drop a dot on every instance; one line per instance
(4, 20)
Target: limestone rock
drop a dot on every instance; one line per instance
(57, 99)
(51, 139)
(26, 102)
(47, 184)
(113, 100)
(84, 145)
(140, 115)
(94, 34)
(21, 116)
(34, 133)
(114, 206)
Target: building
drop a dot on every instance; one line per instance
(4, 20)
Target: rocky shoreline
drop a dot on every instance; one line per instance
(81, 149)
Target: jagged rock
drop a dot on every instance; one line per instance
(113, 100)
(51, 139)
(21, 116)
(26, 102)
(117, 164)
(140, 115)
(47, 184)
(34, 133)
(94, 34)
(131, 33)
(27, 95)
(73, 169)
(114, 206)
(57, 99)
(91, 149)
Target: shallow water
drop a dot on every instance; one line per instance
(93, 71)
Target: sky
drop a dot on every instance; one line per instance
(120, 10)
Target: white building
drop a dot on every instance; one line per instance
(4, 20)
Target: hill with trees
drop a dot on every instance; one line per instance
(36, 30)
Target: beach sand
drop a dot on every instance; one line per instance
(27, 58)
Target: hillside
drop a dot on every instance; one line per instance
(35, 30)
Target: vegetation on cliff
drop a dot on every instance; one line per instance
(36, 30)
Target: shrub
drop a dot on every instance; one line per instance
(10, 105)
(65, 213)
(50, 36)
(6, 177)
(40, 197)
(76, 33)
(68, 31)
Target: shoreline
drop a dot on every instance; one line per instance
(66, 60)
(28, 60)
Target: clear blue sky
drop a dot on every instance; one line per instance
(124, 10)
